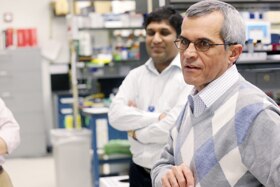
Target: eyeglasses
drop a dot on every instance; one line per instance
(200, 44)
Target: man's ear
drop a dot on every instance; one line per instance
(236, 51)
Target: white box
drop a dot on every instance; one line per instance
(72, 157)
(114, 181)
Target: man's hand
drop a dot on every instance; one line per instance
(3, 147)
(161, 116)
(178, 176)
(132, 104)
(132, 132)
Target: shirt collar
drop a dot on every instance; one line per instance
(175, 63)
(213, 91)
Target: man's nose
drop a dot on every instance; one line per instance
(190, 51)
(157, 38)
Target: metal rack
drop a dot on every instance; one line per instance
(182, 5)
(263, 74)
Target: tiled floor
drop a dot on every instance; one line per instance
(31, 172)
(40, 171)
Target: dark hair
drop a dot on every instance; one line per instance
(173, 17)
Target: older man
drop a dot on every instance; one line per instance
(229, 132)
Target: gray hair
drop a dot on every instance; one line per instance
(233, 29)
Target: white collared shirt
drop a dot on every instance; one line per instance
(154, 93)
(9, 129)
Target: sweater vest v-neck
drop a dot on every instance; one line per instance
(217, 135)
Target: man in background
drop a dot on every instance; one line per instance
(229, 132)
(9, 140)
(151, 96)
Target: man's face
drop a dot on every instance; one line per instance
(159, 43)
(200, 68)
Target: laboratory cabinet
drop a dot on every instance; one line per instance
(63, 107)
(21, 88)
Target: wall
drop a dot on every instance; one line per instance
(27, 13)
(36, 13)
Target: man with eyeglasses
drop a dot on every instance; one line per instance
(151, 96)
(229, 131)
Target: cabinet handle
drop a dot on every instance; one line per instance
(66, 100)
(6, 95)
(66, 111)
(4, 74)
(262, 69)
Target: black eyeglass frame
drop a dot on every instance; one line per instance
(210, 45)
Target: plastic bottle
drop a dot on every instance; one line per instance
(250, 46)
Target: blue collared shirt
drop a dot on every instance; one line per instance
(199, 101)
